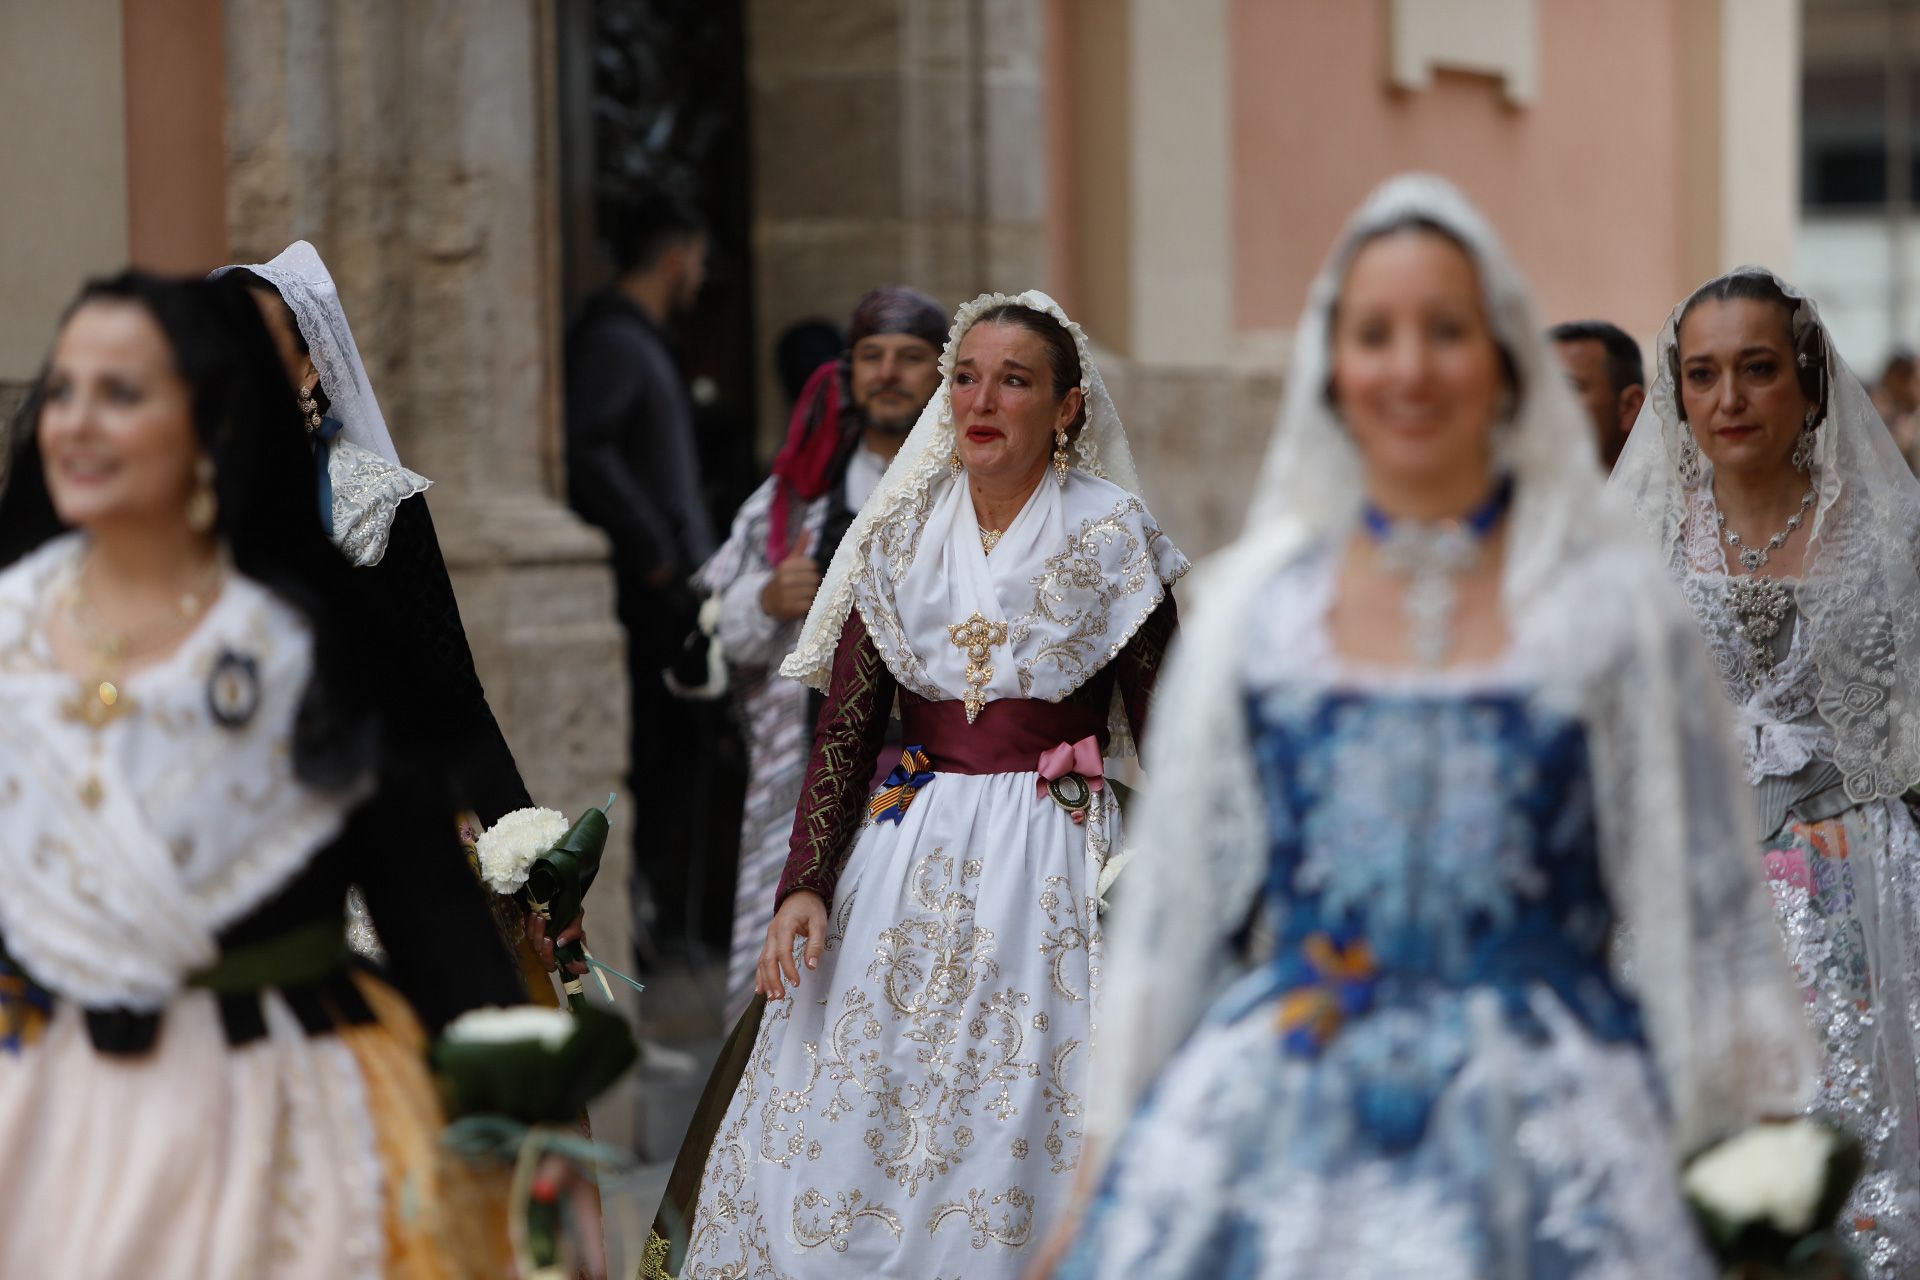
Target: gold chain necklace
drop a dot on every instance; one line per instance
(100, 700)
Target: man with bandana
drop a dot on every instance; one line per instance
(850, 420)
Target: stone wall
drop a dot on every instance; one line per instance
(413, 145)
(909, 140)
(893, 140)
(1198, 438)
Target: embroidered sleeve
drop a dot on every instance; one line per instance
(1138, 665)
(833, 800)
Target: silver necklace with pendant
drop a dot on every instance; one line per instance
(1760, 604)
(1753, 559)
(1432, 556)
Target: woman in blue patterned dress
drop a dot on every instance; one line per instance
(1444, 723)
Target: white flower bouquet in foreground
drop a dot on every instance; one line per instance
(1768, 1198)
(546, 866)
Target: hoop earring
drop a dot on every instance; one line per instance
(1803, 446)
(310, 410)
(1060, 456)
(203, 507)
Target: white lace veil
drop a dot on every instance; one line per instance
(1860, 597)
(1101, 449)
(1721, 1011)
(307, 287)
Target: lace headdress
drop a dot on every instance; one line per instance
(1860, 595)
(308, 289)
(1101, 450)
(1721, 1012)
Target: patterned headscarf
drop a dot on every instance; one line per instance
(821, 433)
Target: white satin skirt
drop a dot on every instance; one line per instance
(196, 1159)
(914, 1109)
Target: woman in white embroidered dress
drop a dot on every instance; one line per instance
(1438, 714)
(193, 1082)
(1786, 513)
(912, 1105)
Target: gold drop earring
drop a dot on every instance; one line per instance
(310, 409)
(203, 507)
(1060, 455)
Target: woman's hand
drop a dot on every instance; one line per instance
(536, 927)
(802, 915)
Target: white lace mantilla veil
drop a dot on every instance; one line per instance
(307, 286)
(1860, 593)
(1100, 449)
(1722, 1015)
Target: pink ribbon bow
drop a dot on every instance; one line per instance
(1072, 759)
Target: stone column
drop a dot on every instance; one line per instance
(414, 145)
(893, 141)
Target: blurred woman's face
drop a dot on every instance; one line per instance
(1005, 413)
(1417, 374)
(1740, 385)
(116, 425)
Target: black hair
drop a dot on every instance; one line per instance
(1899, 360)
(1509, 368)
(247, 422)
(1063, 356)
(1809, 349)
(1624, 366)
(641, 226)
(803, 347)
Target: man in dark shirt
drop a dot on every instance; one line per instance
(633, 470)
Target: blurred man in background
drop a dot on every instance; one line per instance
(850, 418)
(633, 470)
(1897, 397)
(1604, 366)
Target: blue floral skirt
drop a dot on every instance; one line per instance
(1439, 1139)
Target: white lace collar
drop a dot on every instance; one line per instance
(1071, 580)
(367, 493)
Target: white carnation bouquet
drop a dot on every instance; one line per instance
(1768, 1198)
(507, 849)
(546, 865)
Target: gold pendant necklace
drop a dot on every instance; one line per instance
(989, 539)
(100, 699)
(977, 637)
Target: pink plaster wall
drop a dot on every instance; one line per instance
(1583, 184)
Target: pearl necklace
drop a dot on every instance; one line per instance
(1753, 559)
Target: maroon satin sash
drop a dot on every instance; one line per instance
(1009, 736)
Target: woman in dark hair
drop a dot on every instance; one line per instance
(1787, 514)
(376, 512)
(193, 1081)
